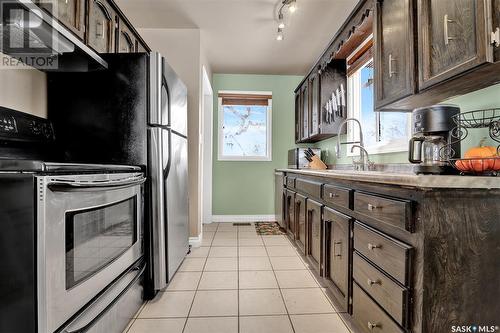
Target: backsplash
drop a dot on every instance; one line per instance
(481, 99)
(24, 90)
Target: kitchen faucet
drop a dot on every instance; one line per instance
(362, 163)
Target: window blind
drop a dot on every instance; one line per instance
(245, 99)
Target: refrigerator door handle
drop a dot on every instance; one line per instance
(164, 84)
(169, 162)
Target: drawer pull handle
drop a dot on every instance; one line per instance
(371, 325)
(373, 246)
(333, 195)
(372, 282)
(372, 207)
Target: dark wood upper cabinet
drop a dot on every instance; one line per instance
(394, 51)
(495, 31)
(298, 116)
(126, 39)
(305, 111)
(70, 13)
(452, 38)
(314, 107)
(101, 26)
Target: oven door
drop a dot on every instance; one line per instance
(89, 232)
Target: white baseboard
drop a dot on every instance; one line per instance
(195, 241)
(243, 218)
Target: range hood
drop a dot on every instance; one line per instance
(32, 37)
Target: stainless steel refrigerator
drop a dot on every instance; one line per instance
(168, 169)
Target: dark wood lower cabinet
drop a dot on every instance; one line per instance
(381, 276)
(337, 254)
(314, 234)
(289, 217)
(300, 221)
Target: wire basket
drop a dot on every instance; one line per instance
(488, 166)
(490, 119)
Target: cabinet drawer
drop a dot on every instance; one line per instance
(369, 316)
(390, 295)
(387, 253)
(310, 187)
(290, 182)
(337, 195)
(390, 211)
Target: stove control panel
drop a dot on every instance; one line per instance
(19, 126)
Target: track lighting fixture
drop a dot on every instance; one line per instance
(279, 36)
(292, 7)
(281, 22)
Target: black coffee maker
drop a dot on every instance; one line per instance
(431, 130)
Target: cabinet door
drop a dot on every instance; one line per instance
(394, 51)
(290, 213)
(298, 116)
(305, 112)
(126, 39)
(495, 11)
(70, 13)
(101, 26)
(300, 221)
(314, 233)
(337, 253)
(141, 48)
(452, 38)
(314, 110)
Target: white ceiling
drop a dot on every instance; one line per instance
(239, 36)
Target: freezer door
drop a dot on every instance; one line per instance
(177, 96)
(176, 188)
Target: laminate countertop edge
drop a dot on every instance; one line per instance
(419, 181)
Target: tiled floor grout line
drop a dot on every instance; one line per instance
(196, 291)
(281, 293)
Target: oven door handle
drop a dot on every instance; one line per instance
(65, 185)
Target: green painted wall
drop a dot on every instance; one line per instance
(481, 99)
(247, 188)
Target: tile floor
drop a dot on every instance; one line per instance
(240, 282)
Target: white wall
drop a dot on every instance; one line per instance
(24, 90)
(183, 51)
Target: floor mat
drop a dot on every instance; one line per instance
(268, 228)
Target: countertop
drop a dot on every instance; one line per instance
(405, 179)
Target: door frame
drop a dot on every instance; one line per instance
(206, 148)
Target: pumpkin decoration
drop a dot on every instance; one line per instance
(480, 159)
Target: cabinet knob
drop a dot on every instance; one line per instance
(372, 207)
(373, 246)
(371, 325)
(333, 195)
(372, 282)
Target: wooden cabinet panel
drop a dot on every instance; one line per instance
(310, 187)
(337, 254)
(394, 51)
(314, 107)
(298, 116)
(387, 253)
(495, 13)
(290, 182)
(390, 295)
(369, 316)
(339, 196)
(300, 221)
(314, 236)
(126, 39)
(452, 38)
(70, 13)
(305, 112)
(101, 26)
(395, 212)
(290, 213)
